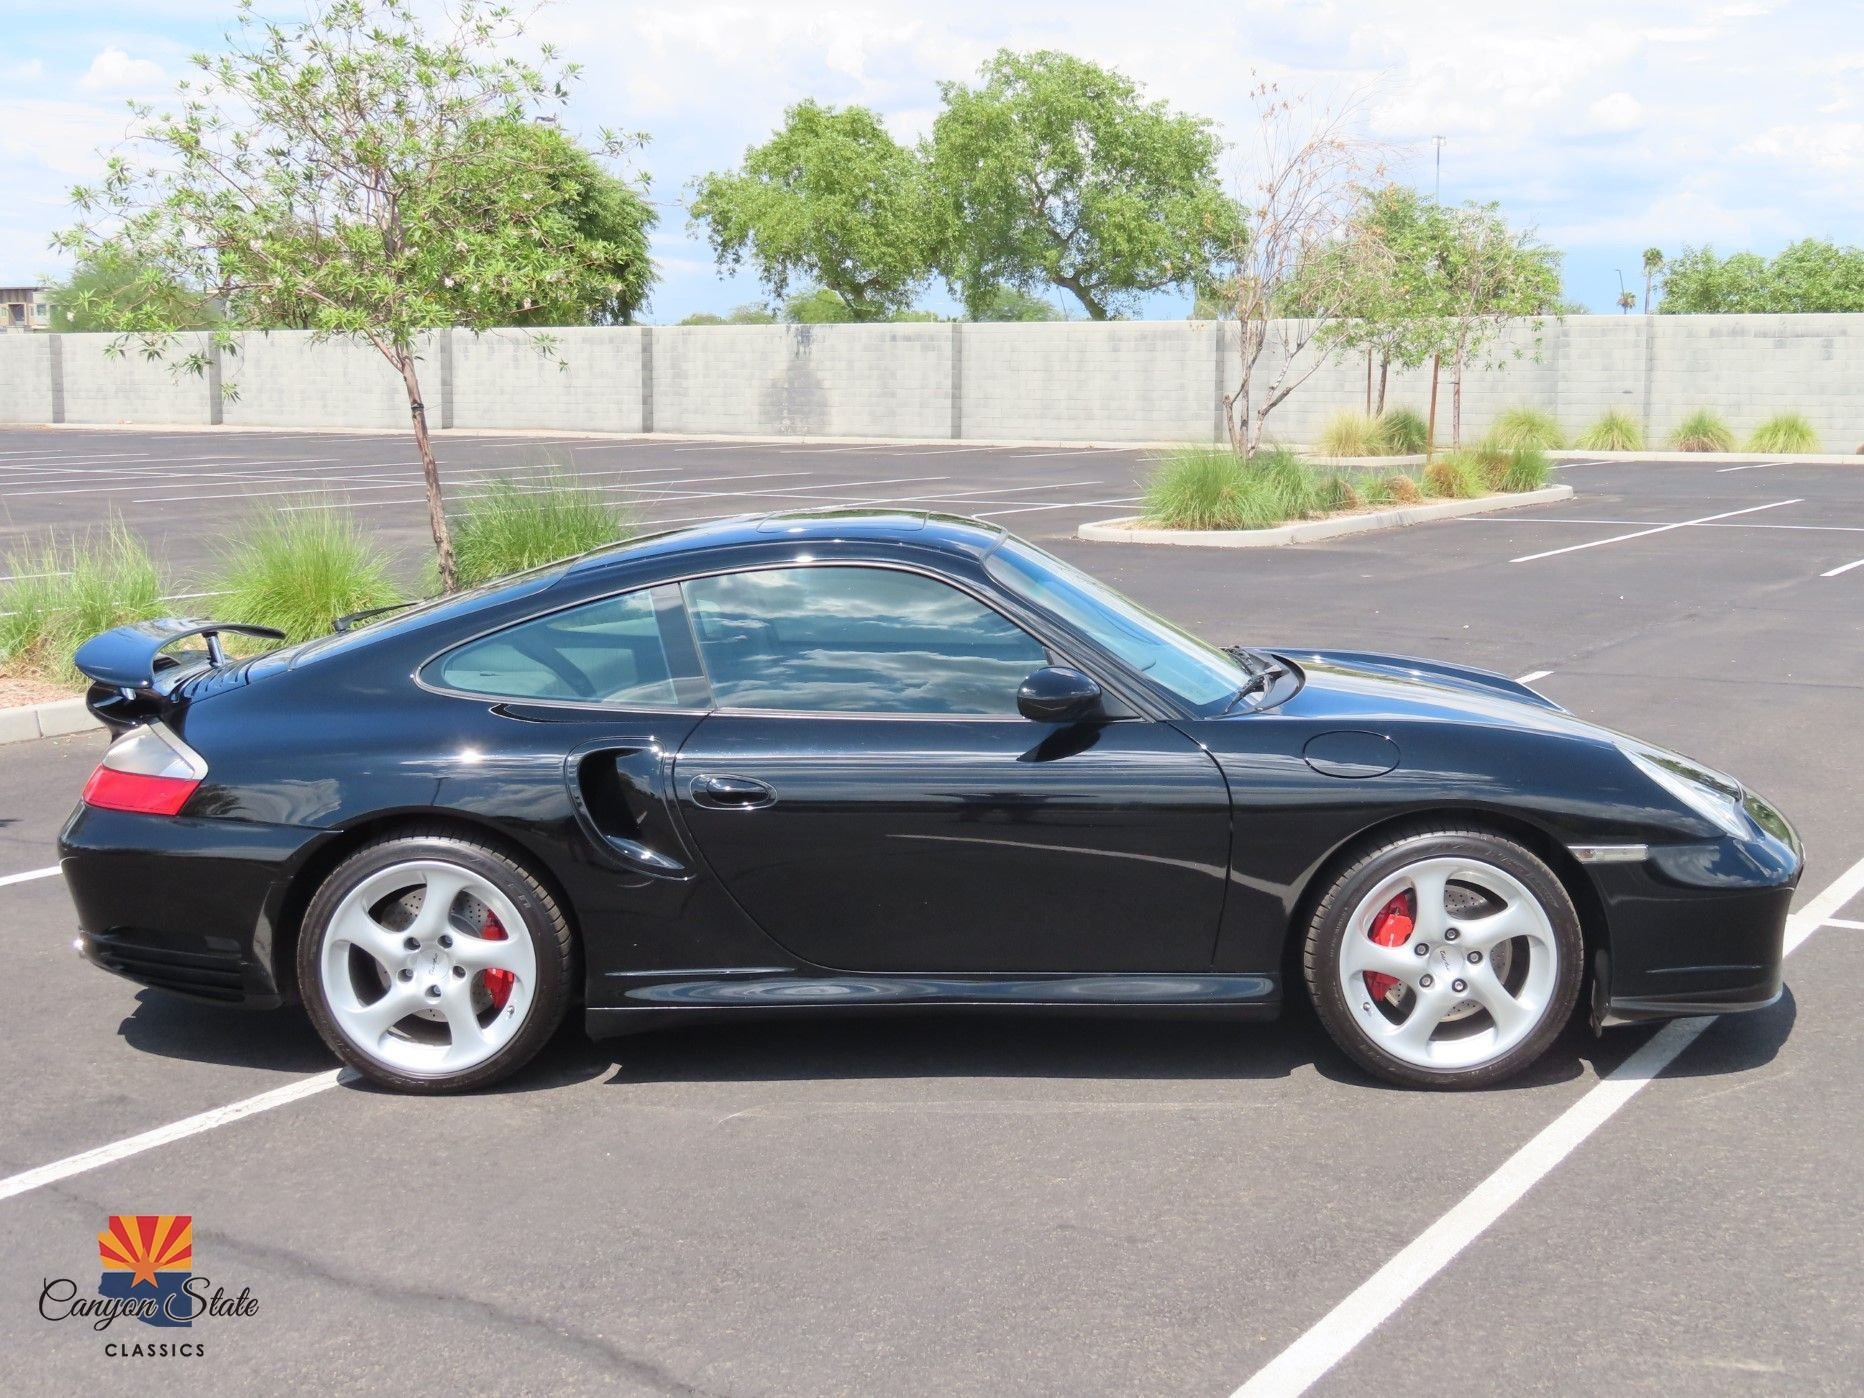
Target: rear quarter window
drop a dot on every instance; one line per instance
(605, 652)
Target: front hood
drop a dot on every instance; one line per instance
(1367, 687)
(1413, 670)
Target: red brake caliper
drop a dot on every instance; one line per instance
(1391, 928)
(498, 983)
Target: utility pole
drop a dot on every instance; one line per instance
(1437, 194)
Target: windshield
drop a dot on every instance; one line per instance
(1202, 676)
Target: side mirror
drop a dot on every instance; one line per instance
(1057, 694)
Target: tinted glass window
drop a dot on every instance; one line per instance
(1198, 673)
(856, 640)
(607, 652)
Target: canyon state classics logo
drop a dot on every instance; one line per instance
(150, 1258)
(147, 1264)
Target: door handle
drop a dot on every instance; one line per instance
(729, 793)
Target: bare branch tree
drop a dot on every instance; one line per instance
(1296, 270)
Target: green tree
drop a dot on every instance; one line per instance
(830, 200)
(1809, 277)
(1056, 172)
(818, 307)
(751, 313)
(1653, 267)
(1382, 272)
(1486, 275)
(346, 173)
(1007, 303)
(607, 212)
(108, 292)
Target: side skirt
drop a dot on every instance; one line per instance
(656, 999)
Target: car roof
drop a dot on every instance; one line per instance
(921, 529)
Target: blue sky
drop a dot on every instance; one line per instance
(1610, 126)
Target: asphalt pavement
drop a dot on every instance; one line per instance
(941, 1206)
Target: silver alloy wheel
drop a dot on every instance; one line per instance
(1474, 977)
(404, 968)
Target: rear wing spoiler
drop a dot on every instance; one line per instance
(130, 659)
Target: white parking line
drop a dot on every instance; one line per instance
(1757, 466)
(1531, 676)
(1660, 529)
(1843, 568)
(28, 875)
(1336, 1334)
(163, 1135)
(1845, 923)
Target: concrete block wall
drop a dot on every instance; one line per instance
(804, 380)
(1135, 381)
(26, 377)
(590, 381)
(1124, 381)
(128, 386)
(281, 378)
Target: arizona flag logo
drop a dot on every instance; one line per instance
(149, 1257)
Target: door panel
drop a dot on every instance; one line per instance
(957, 845)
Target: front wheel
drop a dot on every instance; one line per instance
(1444, 958)
(432, 963)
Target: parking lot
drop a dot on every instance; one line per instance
(946, 1206)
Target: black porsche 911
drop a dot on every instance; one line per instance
(863, 760)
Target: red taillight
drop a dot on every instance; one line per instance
(148, 770)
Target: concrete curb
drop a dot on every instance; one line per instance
(1710, 458)
(56, 718)
(1313, 531)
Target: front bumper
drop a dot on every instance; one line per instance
(185, 905)
(1694, 929)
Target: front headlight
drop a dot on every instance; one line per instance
(1714, 797)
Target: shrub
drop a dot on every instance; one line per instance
(514, 525)
(1527, 469)
(1702, 431)
(1615, 431)
(1403, 490)
(66, 591)
(1457, 476)
(300, 571)
(1786, 432)
(1374, 489)
(1527, 427)
(1336, 493)
(1352, 434)
(1402, 431)
(1210, 488)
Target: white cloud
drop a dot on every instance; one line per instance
(1616, 111)
(1609, 123)
(113, 70)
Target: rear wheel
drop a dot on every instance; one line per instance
(1444, 958)
(432, 963)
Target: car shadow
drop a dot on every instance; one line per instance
(172, 1026)
(956, 1046)
(952, 1046)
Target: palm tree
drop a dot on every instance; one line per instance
(1653, 264)
(1626, 300)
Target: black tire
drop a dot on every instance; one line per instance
(1329, 924)
(544, 923)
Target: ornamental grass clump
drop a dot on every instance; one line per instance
(1352, 434)
(1402, 432)
(1702, 431)
(1784, 433)
(1527, 427)
(1456, 476)
(66, 590)
(299, 571)
(1211, 488)
(513, 525)
(1615, 431)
